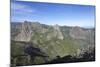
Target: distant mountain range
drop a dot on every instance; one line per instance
(53, 40)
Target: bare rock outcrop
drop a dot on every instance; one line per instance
(58, 32)
(25, 32)
(78, 33)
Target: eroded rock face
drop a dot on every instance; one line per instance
(79, 33)
(58, 32)
(25, 32)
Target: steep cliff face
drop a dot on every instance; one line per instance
(25, 33)
(53, 40)
(78, 33)
(58, 32)
(87, 35)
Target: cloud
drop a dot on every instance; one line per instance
(21, 8)
(21, 12)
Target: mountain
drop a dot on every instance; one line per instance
(53, 40)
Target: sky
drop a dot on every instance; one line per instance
(53, 13)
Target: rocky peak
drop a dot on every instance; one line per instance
(25, 32)
(58, 32)
(78, 33)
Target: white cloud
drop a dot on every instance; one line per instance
(21, 12)
(22, 8)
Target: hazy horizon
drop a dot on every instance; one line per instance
(51, 14)
(55, 24)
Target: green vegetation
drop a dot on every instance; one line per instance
(46, 38)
